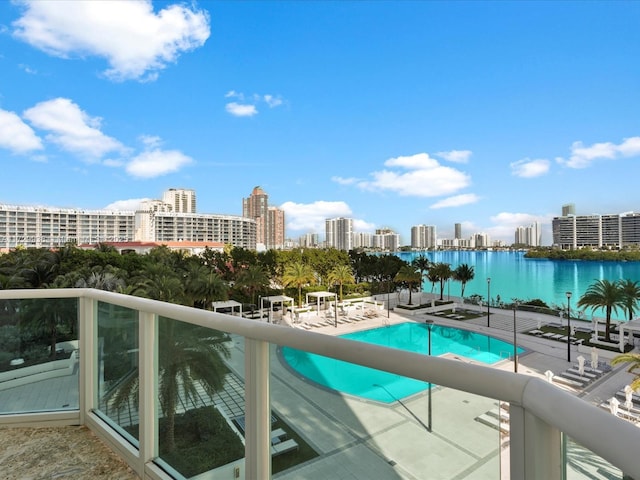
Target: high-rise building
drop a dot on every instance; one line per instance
(596, 231)
(270, 221)
(423, 237)
(181, 200)
(154, 221)
(457, 230)
(530, 236)
(386, 239)
(339, 233)
(568, 209)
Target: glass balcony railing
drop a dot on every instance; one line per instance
(185, 393)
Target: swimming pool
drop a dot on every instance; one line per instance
(386, 387)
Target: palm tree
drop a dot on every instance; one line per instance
(422, 264)
(441, 271)
(633, 359)
(603, 294)
(410, 276)
(631, 294)
(298, 274)
(188, 356)
(463, 274)
(204, 286)
(254, 279)
(340, 275)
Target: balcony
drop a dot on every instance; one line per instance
(156, 382)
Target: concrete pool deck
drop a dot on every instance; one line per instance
(359, 439)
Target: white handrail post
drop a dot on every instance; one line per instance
(257, 410)
(147, 370)
(535, 447)
(88, 380)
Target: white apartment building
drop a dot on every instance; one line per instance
(362, 240)
(181, 200)
(339, 233)
(53, 227)
(386, 239)
(423, 237)
(596, 231)
(530, 236)
(154, 221)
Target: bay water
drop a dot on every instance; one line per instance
(515, 277)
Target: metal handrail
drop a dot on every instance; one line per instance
(610, 437)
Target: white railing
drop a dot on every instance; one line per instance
(539, 411)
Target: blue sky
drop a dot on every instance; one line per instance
(488, 114)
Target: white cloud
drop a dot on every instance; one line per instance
(71, 128)
(17, 136)
(155, 163)
(272, 101)
(150, 141)
(425, 177)
(527, 168)
(131, 204)
(582, 157)
(456, 156)
(456, 201)
(310, 217)
(247, 105)
(240, 110)
(135, 41)
(344, 181)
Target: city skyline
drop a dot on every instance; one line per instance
(488, 115)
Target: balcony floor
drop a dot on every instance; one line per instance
(60, 452)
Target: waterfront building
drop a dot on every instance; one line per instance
(568, 209)
(386, 239)
(458, 230)
(596, 231)
(530, 236)
(362, 240)
(423, 237)
(270, 221)
(339, 233)
(481, 240)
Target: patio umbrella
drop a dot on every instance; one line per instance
(581, 365)
(594, 357)
(628, 394)
(549, 375)
(613, 405)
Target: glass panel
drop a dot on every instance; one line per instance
(387, 427)
(118, 368)
(201, 400)
(39, 355)
(582, 463)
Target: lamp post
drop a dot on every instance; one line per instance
(515, 342)
(388, 300)
(429, 327)
(488, 299)
(569, 327)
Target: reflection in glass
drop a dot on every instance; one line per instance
(118, 366)
(196, 430)
(38, 355)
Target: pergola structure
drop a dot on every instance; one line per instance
(321, 296)
(228, 304)
(631, 327)
(282, 300)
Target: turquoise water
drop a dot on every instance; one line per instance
(387, 387)
(513, 276)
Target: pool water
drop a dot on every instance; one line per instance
(386, 387)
